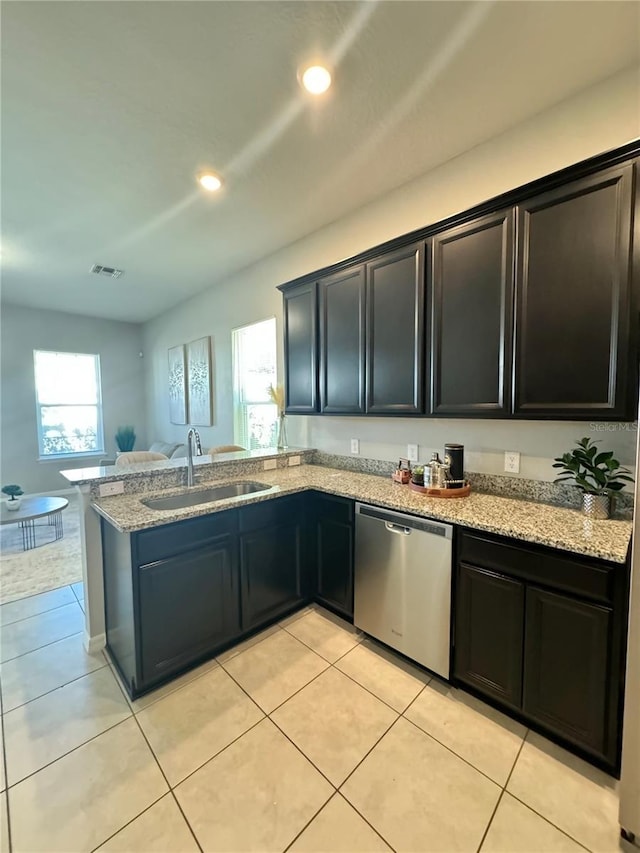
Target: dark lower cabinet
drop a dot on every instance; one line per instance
(334, 552)
(271, 553)
(177, 593)
(489, 625)
(270, 571)
(565, 673)
(542, 633)
(189, 606)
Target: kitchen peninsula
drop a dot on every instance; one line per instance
(183, 583)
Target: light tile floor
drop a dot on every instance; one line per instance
(304, 738)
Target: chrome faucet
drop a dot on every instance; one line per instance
(193, 437)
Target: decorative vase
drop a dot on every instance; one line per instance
(596, 506)
(14, 504)
(282, 442)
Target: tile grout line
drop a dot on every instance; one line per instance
(35, 615)
(44, 645)
(68, 752)
(146, 809)
(3, 758)
(164, 776)
(511, 794)
(546, 820)
(53, 689)
(169, 785)
(490, 821)
(449, 749)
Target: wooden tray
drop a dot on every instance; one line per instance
(462, 492)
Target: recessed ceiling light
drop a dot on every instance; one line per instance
(210, 181)
(316, 79)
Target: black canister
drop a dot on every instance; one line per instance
(454, 457)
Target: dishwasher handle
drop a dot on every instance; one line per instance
(403, 522)
(397, 528)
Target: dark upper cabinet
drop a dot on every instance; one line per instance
(341, 300)
(395, 332)
(573, 302)
(489, 625)
(565, 674)
(334, 518)
(471, 317)
(189, 605)
(301, 349)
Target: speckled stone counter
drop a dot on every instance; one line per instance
(556, 527)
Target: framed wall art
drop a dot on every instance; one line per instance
(177, 385)
(199, 382)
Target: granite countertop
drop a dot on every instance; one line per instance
(556, 527)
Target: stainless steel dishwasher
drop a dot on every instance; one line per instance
(403, 584)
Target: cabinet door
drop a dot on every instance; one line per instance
(395, 332)
(342, 307)
(270, 572)
(334, 544)
(488, 640)
(565, 666)
(189, 605)
(573, 299)
(471, 310)
(300, 349)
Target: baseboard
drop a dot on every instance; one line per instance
(94, 644)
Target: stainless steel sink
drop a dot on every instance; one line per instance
(216, 493)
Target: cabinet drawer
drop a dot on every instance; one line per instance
(158, 543)
(532, 563)
(270, 512)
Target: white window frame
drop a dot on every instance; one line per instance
(74, 454)
(240, 406)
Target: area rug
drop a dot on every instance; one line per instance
(48, 566)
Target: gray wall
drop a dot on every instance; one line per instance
(593, 121)
(123, 395)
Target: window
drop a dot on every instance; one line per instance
(255, 417)
(69, 404)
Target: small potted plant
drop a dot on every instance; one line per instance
(598, 475)
(14, 493)
(125, 438)
(417, 475)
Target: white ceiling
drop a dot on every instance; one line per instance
(110, 108)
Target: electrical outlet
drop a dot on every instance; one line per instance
(115, 488)
(512, 461)
(294, 460)
(270, 464)
(355, 445)
(412, 452)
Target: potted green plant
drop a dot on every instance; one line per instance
(417, 475)
(14, 493)
(598, 475)
(125, 438)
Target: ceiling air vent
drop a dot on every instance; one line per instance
(110, 272)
